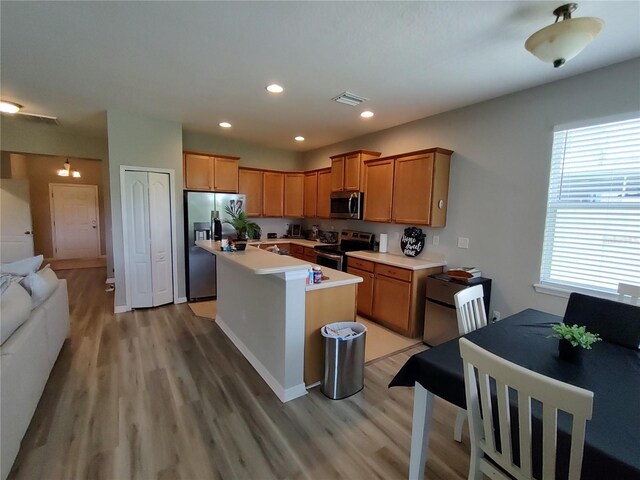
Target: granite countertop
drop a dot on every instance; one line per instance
(400, 261)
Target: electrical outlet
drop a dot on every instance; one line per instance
(463, 242)
(436, 240)
(495, 316)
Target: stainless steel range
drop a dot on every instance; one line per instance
(333, 256)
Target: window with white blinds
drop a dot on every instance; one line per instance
(592, 232)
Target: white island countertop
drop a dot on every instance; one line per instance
(400, 261)
(262, 262)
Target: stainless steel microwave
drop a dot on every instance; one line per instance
(347, 205)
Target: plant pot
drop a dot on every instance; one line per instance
(568, 352)
(241, 245)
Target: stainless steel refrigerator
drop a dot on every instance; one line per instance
(200, 209)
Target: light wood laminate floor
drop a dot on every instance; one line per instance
(160, 393)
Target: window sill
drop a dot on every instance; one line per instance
(565, 291)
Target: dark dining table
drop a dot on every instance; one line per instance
(610, 371)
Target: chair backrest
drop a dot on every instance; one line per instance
(632, 292)
(470, 309)
(553, 394)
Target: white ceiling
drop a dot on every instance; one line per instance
(199, 63)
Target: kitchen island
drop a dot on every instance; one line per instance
(273, 317)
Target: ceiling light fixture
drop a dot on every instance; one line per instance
(225, 124)
(67, 171)
(9, 107)
(366, 114)
(274, 88)
(299, 138)
(560, 42)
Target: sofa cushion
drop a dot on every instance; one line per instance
(22, 267)
(40, 285)
(616, 322)
(15, 308)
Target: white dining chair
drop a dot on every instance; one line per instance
(471, 316)
(552, 394)
(632, 292)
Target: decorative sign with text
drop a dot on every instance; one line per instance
(412, 241)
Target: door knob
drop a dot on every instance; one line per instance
(93, 226)
(27, 232)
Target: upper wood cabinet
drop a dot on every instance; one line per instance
(210, 173)
(250, 184)
(323, 209)
(347, 170)
(421, 187)
(272, 194)
(294, 184)
(310, 194)
(411, 188)
(378, 195)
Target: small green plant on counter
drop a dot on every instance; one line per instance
(575, 335)
(239, 220)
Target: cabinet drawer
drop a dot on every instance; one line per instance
(297, 250)
(310, 254)
(365, 265)
(394, 272)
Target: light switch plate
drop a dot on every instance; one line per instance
(463, 242)
(436, 239)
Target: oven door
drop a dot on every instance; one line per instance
(331, 260)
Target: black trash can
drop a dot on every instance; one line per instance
(344, 344)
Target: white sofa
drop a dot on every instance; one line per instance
(26, 359)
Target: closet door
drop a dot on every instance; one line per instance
(137, 242)
(160, 228)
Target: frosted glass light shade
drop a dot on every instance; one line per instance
(560, 42)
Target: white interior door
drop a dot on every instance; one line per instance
(74, 212)
(147, 197)
(16, 233)
(137, 243)
(160, 228)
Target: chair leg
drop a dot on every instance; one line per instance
(457, 430)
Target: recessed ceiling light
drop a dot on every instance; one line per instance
(9, 107)
(225, 124)
(299, 138)
(366, 114)
(274, 88)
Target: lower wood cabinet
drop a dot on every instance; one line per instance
(392, 302)
(309, 254)
(297, 251)
(392, 296)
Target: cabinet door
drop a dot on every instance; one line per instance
(294, 195)
(352, 166)
(413, 186)
(378, 190)
(272, 194)
(225, 174)
(250, 184)
(297, 251)
(198, 172)
(324, 194)
(337, 174)
(310, 194)
(365, 291)
(310, 254)
(392, 302)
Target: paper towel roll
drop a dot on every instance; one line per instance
(384, 243)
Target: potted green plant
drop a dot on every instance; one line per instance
(245, 228)
(572, 339)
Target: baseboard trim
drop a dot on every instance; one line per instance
(283, 394)
(121, 309)
(181, 300)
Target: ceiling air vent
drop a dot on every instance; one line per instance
(349, 99)
(34, 118)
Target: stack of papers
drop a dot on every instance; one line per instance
(340, 333)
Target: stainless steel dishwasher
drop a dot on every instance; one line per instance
(440, 320)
